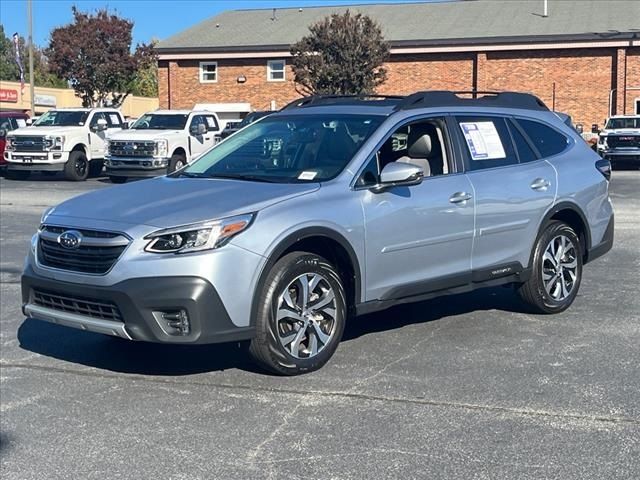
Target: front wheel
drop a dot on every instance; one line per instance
(301, 315)
(176, 162)
(556, 270)
(77, 167)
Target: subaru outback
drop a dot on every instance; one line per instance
(330, 208)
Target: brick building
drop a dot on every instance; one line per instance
(583, 58)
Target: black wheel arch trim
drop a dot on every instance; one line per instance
(565, 205)
(293, 238)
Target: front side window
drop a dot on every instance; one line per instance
(160, 122)
(548, 141)
(62, 118)
(488, 142)
(288, 149)
(276, 70)
(208, 72)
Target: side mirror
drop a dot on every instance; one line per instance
(199, 129)
(396, 174)
(101, 125)
(29, 121)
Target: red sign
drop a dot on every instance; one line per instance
(8, 95)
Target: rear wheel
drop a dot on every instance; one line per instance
(556, 270)
(77, 167)
(17, 174)
(117, 179)
(301, 315)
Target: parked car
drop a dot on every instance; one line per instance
(619, 141)
(9, 120)
(160, 142)
(233, 127)
(62, 140)
(332, 207)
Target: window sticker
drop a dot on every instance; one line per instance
(21, 122)
(210, 122)
(307, 175)
(483, 140)
(115, 120)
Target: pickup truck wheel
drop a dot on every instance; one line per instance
(556, 270)
(17, 174)
(301, 315)
(77, 167)
(176, 162)
(117, 179)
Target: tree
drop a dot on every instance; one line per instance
(9, 68)
(94, 55)
(343, 54)
(145, 83)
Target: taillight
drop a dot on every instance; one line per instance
(604, 167)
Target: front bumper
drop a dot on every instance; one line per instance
(139, 303)
(136, 167)
(52, 161)
(621, 155)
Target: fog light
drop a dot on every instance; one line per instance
(174, 322)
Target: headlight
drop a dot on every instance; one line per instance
(9, 145)
(54, 143)
(161, 148)
(198, 236)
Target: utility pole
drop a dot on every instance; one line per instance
(31, 89)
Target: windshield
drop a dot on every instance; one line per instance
(287, 149)
(160, 122)
(616, 123)
(61, 118)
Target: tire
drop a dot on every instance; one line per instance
(286, 345)
(556, 273)
(95, 168)
(117, 179)
(176, 162)
(77, 167)
(17, 174)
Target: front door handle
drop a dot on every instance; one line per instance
(540, 184)
(459, 197)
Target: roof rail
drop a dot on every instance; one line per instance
(338, 99)
(446, 98)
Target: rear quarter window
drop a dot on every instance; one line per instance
(547, 140)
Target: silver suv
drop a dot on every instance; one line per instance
(332, 207)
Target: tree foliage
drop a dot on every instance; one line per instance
(145, 83)
(9, 69)
(343, 54)
(94, 55)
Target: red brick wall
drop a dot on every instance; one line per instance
(583, 79)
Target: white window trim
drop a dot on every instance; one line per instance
(201, 72)
(270, 70)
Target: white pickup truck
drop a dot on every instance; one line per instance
(160, 142)
(619, 141)
(62, 140)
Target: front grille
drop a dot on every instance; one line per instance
(622, 141)
(97, 253)
(87, 307)
(29, 144)
(118, 148)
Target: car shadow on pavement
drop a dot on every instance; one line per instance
(114, 354)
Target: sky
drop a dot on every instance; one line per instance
(152, 18)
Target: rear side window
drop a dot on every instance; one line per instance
(525, 152)
(488, 142)
(548, 141)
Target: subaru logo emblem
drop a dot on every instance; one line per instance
(70, 239)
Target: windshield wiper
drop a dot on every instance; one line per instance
(191, 175)
(238, 176)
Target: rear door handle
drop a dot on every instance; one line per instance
(459, 197)
(540, 184)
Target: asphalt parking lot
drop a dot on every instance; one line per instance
(468, 386)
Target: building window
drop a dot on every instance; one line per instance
(275, 70)
(208, 72)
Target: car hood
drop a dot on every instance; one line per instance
(29, 131)
(165, 202)
(141, 135)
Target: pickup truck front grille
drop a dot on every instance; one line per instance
(95, 253)
(119, 148)
(87, 307)
(623, 141)
(29, 144)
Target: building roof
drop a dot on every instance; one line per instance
(420, 24)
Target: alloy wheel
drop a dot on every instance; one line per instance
(560, 268)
